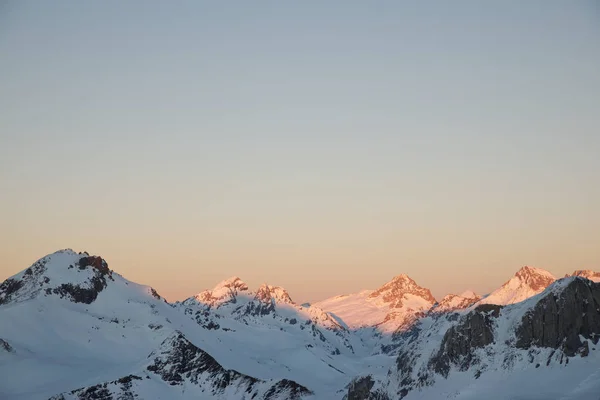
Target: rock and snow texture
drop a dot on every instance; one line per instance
(527, 282)
(543, 348)
(586, 273)
(389, 308)
(78, 330)
(453, 302)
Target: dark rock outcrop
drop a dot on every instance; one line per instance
(97, 283)
(8, 288)
(290, 389)
(458, 346)
(361, 389)
(183, 361)
(558, 320)
(5, 346)
(104, 391)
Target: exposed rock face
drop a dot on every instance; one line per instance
(182, 361)
(474, 331)
(557, 321)
(120, 389)
(11, 287)
(89, 292)
(266, 299)
(394, 291)
(287, 388)
(360, 389)
(8, 288)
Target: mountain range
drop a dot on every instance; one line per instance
(72, 328)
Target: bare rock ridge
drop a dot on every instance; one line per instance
(458, 346)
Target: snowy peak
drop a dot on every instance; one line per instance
(395, 291)
(535, 278)
(453, 302)
(527, 282)
(267, 293)
(588, 274)
(224, 292)
(78, 277)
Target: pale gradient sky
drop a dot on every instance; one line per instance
(321, 147)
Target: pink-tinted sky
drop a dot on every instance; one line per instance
(321, 147)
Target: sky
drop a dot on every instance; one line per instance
(321, 146)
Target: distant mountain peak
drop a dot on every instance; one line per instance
(587, 273)
(398, 287)
(527, 282)
(233, 282)
(278, 294)
(535, 278)
(224, 292)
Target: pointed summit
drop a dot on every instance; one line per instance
(527, 282)
(535, 278)
(395, 290)
(266, 293)
(224, 292)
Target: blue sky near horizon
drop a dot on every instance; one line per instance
(324, 147)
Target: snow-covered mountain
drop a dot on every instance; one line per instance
(71, 328)
(527, 282)
(394, 305)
